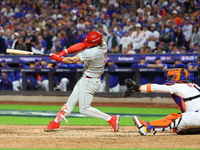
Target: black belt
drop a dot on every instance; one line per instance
(89, 76)
(191, 98)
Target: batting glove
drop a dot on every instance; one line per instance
(56, 57)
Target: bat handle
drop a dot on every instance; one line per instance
(40, 54)
(45, 55)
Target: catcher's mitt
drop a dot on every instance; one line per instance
(131, 88)
(129, 83)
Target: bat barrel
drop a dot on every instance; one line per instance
(21, 52)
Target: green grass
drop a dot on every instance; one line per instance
(127, 110)
(125, 121)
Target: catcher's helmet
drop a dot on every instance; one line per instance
(92, 38)
(177, 74)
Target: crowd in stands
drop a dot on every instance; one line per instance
(128, 26)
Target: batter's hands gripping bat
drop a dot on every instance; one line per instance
(131, 88)
(21, 52)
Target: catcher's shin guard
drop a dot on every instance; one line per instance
(141, 125)
(61, 114)
(166, 123)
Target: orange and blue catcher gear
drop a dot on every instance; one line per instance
(161, 123)
(177, 75)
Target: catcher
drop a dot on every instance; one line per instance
(186, 96)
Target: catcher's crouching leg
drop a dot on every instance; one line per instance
(189, 123)
(169, 122)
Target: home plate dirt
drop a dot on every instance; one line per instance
(29, 136)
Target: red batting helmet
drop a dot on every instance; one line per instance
(92, 38)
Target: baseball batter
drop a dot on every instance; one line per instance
(94, 58)
(186, 96)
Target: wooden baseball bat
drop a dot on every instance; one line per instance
(21, 52)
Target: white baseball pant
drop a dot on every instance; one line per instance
(189, 120)
(83, 93)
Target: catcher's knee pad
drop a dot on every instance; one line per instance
(165, 122)
(62, 113)
(173, 116)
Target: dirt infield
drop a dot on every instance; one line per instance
(17, 136)
(104, 104)
(31, 136)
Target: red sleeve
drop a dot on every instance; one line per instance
(76, 47)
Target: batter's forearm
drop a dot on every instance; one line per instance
(154, 88)
(70, 60)
(67, 60)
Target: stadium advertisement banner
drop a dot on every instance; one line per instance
(166, 58)
(80, 70)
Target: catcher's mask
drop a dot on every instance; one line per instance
(177, 75)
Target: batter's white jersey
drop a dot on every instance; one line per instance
(94, 60)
